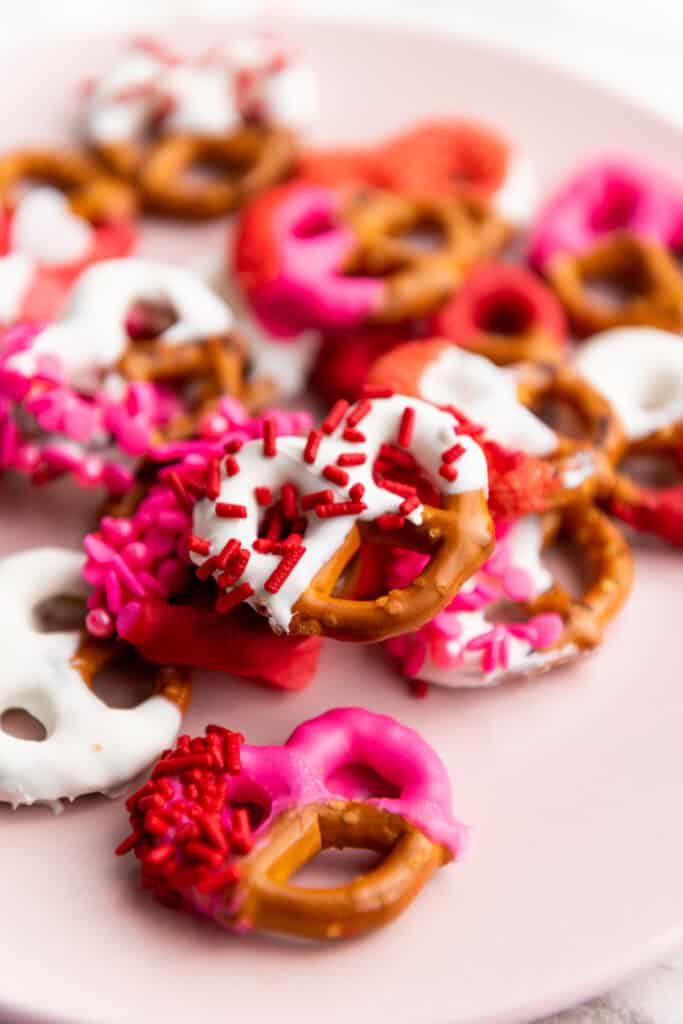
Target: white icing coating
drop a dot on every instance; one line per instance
(288, 363)
(517, 198)
(89, 746)
(524, 542)
(434, 432)
(44, 228)
(486, 394)
(16, 274)
(201, 94)
(640, 371)
(90, 334)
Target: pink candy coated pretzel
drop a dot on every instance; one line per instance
(606, 195)
(145, 556)
(304, 285)
(460, 646)
(222, 825)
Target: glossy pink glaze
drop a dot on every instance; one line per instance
(310, 289)
(608, 194)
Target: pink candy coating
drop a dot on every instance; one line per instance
(310, 289)
(608, 194)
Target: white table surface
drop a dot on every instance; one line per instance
(636, 49)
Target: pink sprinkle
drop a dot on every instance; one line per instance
(548, 627)
(117, 531)
(518, 584)
(99, 622)
(112, 589)
(136, 554)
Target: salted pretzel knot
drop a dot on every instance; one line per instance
(287, 516)
(348, 778)
(89, 746)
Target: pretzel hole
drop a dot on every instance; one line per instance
(616, 286)
(22, 725)
(570, 566)
(561, 415)
(215, 169)
(358, 781)
(654, 470)
(149, 318)
(507, 313)
(333, 867)
(125, 683)
(59, 613)
(616, 209)
(425, 235)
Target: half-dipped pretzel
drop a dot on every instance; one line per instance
(138, 561)
(309, 257)
(89, 746)
(500, 400)
(49, 236)
(156, 112)
(139, 352)
(505, 313)
(349, 778)
(285, 517)
(622, 280)
(640, 370)
(609, 194)
(468, 644)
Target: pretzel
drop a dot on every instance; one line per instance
(89, 747)
(502, 402)
(607, 195)
(506, 314)
(138, 565)
(467, 645)
(649, 286)
(311, 794)
(418, 278)
(308, 258)
(647, 392)
(251, 160)
(141, 352)
(48, 236)
(285, 518)
(156, 112)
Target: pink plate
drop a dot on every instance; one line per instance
(572, 783)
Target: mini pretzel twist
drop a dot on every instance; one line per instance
(648, 282)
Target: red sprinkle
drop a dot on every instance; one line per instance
(275, 523)
(396, 487)
(199, 545)
(204, 570)
(263, 545)
(377, 391)
(409, 504)
(234, 446)
(448, 472)
(179, 491)
(398, 456)
(211, 883)
(405, 430)
(231, 748)
(357, 492)
(227, 510)
(335, 416)
(213, 479)
(289, 503)
(353, 435)
(229, 551)
(390, 522)
(351, 459)
(312, 446)
(269, 437)
(235, 569)
(284, 569)
(232, 466)
(175, 765)
(336, 475)
(314, 498)
(263, 495)
(451, 454)
(340, 508)
(226, 602)
(359, 412)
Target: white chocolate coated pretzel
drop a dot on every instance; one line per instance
(89, 746)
